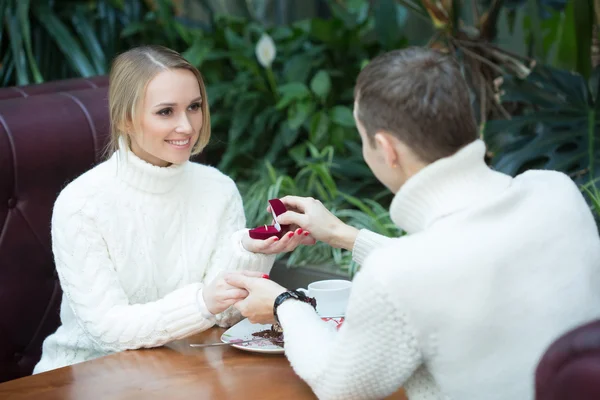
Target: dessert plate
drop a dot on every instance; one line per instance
(244, 329)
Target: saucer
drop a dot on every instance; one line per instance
(244, 329)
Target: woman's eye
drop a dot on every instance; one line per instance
(195, 107)
(165, 112)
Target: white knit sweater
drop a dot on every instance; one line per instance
(133, 245)
(492, 270)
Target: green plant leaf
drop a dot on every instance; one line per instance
(318, 127)
(297, 68)
(583, 13)
(537, 36)
(298, 113)
(291, 92)
(64, 39)
(386, 23)
(244, 111)
(166, 18)
(325, 31)
(197, 53)
(23, 18)
(216, 91)
(566, 42)
(559, 134)
(7, 69)
(16, 45)
(133, 29)
(321, 84)
(119, 4)
(234, 41)
(85, 32)
(415, 6)
(343, 116)
(3, 11)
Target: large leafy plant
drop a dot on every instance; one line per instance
(468, 29)
(305, 93)
(46, 40)
(558, 127)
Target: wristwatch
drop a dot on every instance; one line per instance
(292, 294)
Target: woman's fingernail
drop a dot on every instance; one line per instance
(306, 233)
(291, 234)
(299, 231)
(266, 276)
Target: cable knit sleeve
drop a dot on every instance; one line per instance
(100, 305)
(374, 352)
(230, 255)
(365, 242)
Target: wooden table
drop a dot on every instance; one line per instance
(170, 373)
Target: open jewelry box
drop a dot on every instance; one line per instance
(267, 231)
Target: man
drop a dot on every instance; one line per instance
(491, 271)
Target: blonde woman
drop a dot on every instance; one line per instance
(142, 242)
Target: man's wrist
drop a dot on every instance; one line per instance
(296, 295)
(344, 237)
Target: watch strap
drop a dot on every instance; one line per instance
(292, 294)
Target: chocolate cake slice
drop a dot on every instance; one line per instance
(274, 334)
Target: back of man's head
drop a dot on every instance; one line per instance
(419, 96)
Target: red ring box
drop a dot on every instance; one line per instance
(267, 231)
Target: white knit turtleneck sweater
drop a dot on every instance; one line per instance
(133, 246)
(493, 269)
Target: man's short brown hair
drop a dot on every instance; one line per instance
(418, 95)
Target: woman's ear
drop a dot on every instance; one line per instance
(386, 144)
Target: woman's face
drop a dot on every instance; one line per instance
(170, 119)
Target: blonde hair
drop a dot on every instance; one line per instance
(130, 74)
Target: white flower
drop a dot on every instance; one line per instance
(265, 50)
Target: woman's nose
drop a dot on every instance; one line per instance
(184, 125)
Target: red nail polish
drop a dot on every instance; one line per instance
(300, 231)
(306, 233)
(291, 234)
(276, 239)
(266, 276)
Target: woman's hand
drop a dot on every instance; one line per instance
(274, 245)
(258, 305)
(311, 215)
(218, 295)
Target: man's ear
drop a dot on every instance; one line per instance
(387, 144)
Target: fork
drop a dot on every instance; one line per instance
(229, 343)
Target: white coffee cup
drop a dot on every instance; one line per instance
(331, 295)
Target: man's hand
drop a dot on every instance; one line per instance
(218, 295)
(258, 305)
(311, 215)
(274, 245)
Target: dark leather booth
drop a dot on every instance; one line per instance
(49, 134)
(570, 367)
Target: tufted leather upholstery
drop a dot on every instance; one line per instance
(54, 87)
(45, 141)
(570, 368)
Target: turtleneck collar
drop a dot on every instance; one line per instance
(144, 176)
(446, 186)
